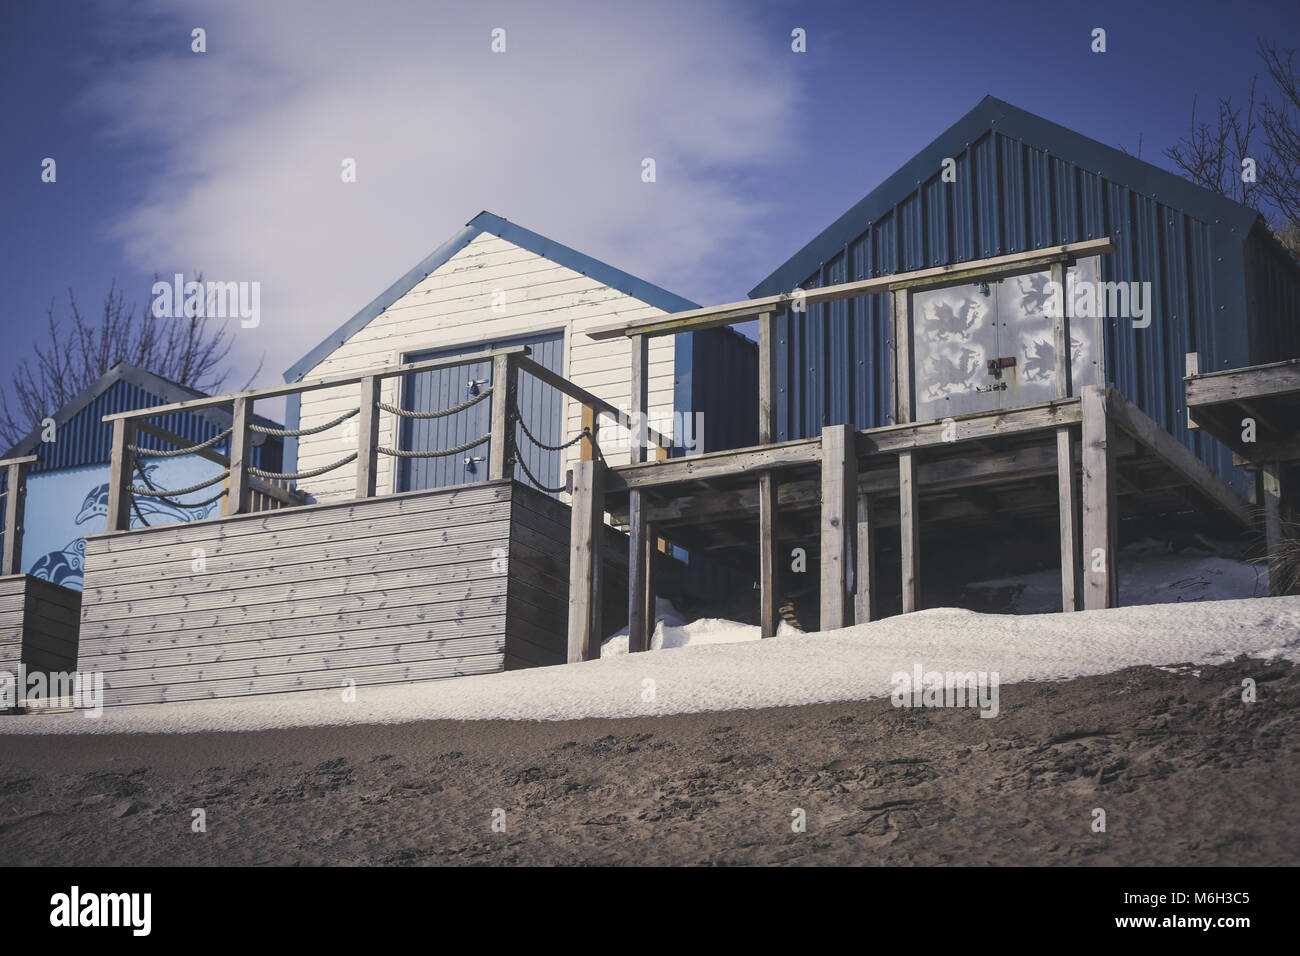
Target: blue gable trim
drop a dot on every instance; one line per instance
(602, 272)
(377, 305)
(524, 238)
(994, 114)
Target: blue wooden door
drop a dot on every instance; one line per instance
(541, 408)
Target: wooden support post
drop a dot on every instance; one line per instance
(237, 497)
(1067, 491)
(1191, 366)
(901, 303)
(505, 376)
(1270, 479)
(368, 436)
(587, 525)
(909, 529)
(864, 575)
(586, 446)
(638, 583)
(768, 616)
(121, 469)
(1100, 582)
(766, 379)
(839, 525)
(12, 560)
(640, 408)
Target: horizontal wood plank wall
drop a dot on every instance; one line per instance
(452, 307)
(38, 624)
(537, 628)
(388, 589)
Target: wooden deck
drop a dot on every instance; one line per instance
(1255, 411)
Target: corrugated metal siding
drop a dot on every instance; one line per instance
(833, 362)
(723, 386)
(86, 440)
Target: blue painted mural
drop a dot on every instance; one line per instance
(66, 505)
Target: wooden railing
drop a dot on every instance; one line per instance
(15, 495)
(247, 489)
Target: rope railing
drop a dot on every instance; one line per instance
(303, 432)
(512, 451)
(177, 452)
(296, 475)
(442, 413)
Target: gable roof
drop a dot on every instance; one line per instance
(164, 390)
(486, 222)
(992, 114)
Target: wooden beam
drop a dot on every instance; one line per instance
(909, 525)
(505, 377)
(368, 436)
(1100, 581)
(767, 576)
(15, 505)
(586, 528)
(314, 384)
(237, 500)
(1016, 263)
(121, 466)
(1256, 381)
(1177, 457)
(864, 577)
(805, 452)
(1068, 520)
(598, 405)
(838, 525)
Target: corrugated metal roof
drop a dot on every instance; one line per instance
(82, 438)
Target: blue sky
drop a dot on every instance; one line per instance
(228, 162)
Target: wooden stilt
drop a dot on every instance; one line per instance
(909, 530)
(769, 620)
(864, 577)
(839, 511)
(1100, 583)
(1068, 519)
(587, 524)
(638, 583)
(1270, 477)
(121, 473)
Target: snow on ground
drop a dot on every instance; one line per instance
(852, 664)
(1149, 573)
(673, 630)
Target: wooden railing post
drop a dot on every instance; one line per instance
(121, 468)
(587, 525)
(640, 396)
(368, 436)
(14, 506)
(766, 393)
(505, 376)
(237, 496)
(587, 447)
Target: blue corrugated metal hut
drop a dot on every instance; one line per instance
(67, 488)
(1222, 286)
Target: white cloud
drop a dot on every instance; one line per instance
(242, 145)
